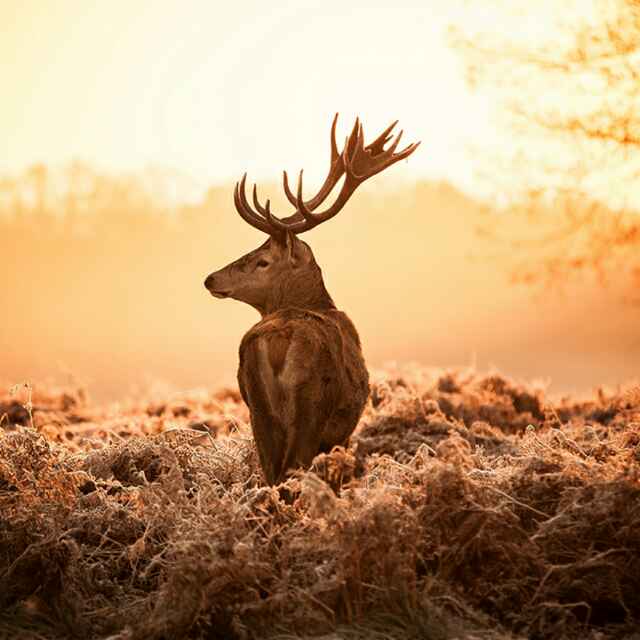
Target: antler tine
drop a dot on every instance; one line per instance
(336, 170)
(245, 211)
(351, 144)
(360, 138)
(334, 147)
(377, 146)
(358, 150)
(356, 127)
(256, 202)
(408, 150)
(300, 204)
(274, 221)
(266, 212)
(395, 143)
(285, 183)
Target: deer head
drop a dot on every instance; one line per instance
(282, 272)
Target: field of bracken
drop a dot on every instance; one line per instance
(467, 506)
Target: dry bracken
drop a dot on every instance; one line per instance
(447, 517)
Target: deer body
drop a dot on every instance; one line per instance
(301, 371)
(304, 378)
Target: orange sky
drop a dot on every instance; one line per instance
(215, 89)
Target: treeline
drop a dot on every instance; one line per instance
(78, 189)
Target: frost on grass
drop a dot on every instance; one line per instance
(467, 506)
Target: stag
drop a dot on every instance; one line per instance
(301, 371)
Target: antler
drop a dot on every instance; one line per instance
(356, 161)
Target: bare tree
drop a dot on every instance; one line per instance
(570, 97)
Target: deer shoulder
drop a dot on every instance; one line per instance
(294, 345)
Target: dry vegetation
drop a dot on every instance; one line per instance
(468, 506)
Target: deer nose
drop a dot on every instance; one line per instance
(214, 288)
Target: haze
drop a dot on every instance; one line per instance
(109, 100)
(214, 89)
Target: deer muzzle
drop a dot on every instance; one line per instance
(215, 287)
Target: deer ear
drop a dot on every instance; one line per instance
(284, 241)
(287, 242)
(293, 248)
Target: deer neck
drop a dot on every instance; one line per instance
(303, 291)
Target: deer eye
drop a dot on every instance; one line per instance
(263, 263)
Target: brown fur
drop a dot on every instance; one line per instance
(278, 347)
(301, 373)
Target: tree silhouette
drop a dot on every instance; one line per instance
(571, 99)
